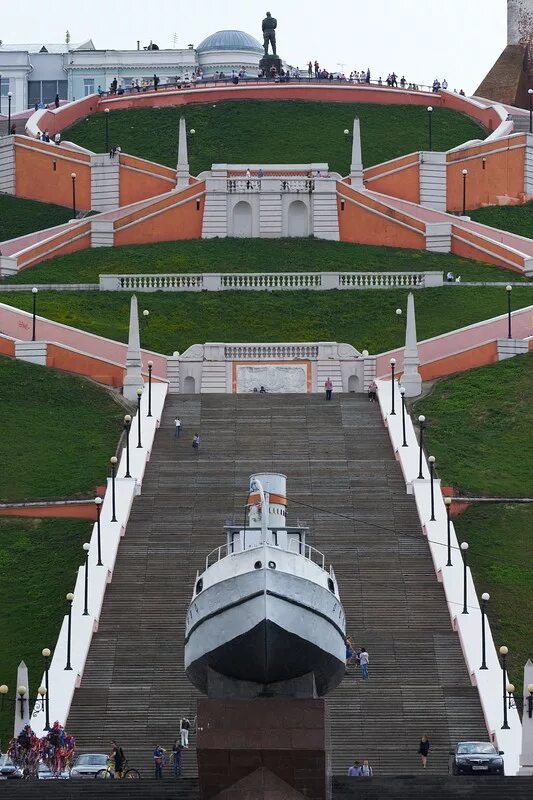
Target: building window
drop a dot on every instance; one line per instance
(45, 91)
(4, 87)
(88, 86)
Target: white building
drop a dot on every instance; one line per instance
(35, 73)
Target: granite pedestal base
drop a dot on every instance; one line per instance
(243, 740)
(267, 62)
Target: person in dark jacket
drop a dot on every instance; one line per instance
(423, 749)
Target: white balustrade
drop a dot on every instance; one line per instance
(268, 281)
(268, 352)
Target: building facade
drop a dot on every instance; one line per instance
(35, 73)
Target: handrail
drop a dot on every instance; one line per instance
(295, 546)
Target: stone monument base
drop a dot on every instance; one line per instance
(243, 740)
(267, 62)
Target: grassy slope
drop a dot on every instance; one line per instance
(18, 217)
(256, 255)
(365, 319)
(275, 132)
(58, 432)
(481, 432)
(38, 564)
(516, 219)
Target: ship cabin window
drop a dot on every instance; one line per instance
(272, 564)
(235, 542)
(199, 586)
(258, 565)
(331, 585)
(295, 536)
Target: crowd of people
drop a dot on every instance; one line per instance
(55, 750)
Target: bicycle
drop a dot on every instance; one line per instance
(108, 773)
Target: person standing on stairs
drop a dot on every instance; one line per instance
(423, 750)
(177, 424)
(159, 756)
(363, 663)
(185, 727)
(196, 443)
(328, 386)
(118, 758)
(176, 757)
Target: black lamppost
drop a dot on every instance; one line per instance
(402, 395)
(392, 366)
(465, 173)
(9, 113)
(399, 314)
(139, 395)
(46, 653)
(430, 127)
(485, 597)
(34, 311)
(464, 548)
(106, 117)
(421, 424)
(127, 428)
(113, 461)
(70, 598)
(509, 290)
(503, 653)
(98, 504)
(431, 460)
(146, 315)
(86, 548)
(530, 93)
(448, 503)
(73, 176)
(150, 367)
(22, 698)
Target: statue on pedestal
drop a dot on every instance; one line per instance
(269, 32)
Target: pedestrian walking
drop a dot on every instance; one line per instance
(196, 443)
(177, 427)
(355, 770)
(118, 758)
(176, 758)
(372, 391)
(57, 138)
(328, 386)
(423, 749)
(366, 769)
(159, 756)
(363, 664)
(349, 651)
(56, 101)
(185, 727)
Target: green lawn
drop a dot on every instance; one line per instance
(516, 219)
(18, 217)
(58, 433)
(480, 429)
(275, 132)
(366, 319)
(38, 565)
(255, 255)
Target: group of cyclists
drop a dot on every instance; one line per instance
(55, 750)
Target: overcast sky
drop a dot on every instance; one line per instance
(423, 39)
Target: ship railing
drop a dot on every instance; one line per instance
(308, 551)
(217, 554)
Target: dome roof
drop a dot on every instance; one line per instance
(230, 40)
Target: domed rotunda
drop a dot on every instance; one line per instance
(228, 52)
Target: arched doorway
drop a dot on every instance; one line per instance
(242, 219)
(353, 383)
(189, 385)
(298, 219)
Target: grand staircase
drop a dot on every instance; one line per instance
(340, 467)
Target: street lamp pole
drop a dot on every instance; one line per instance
(392, 366)
(139, 395)
(113, 461)
(73, 176)
(430, 127)
(127, 428)
(509, 290)
(150, 367)
(530, 93)
(86, 548)
(431, 460)
(448, 503)
(106, 117)
(464, 548)
(9, 113)
(465, 173)
(402, 395)
(46, 653)
(34, 311)
(485, 597)
(70, 598)
(503, 652)
(421, 423)
(98, 504)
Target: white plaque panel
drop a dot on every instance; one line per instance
(276, 378)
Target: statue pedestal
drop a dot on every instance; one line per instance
(269, 61)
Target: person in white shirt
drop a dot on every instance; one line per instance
(363, 663)
(177, 423)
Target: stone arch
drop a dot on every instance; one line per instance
(354, 384)
(298, 219)
(189, 385)
(242, 219)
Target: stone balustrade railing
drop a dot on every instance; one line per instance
(267, 352)
(269, 281)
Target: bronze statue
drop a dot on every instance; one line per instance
(269, 32)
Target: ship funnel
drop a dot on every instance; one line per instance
(273, 485)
